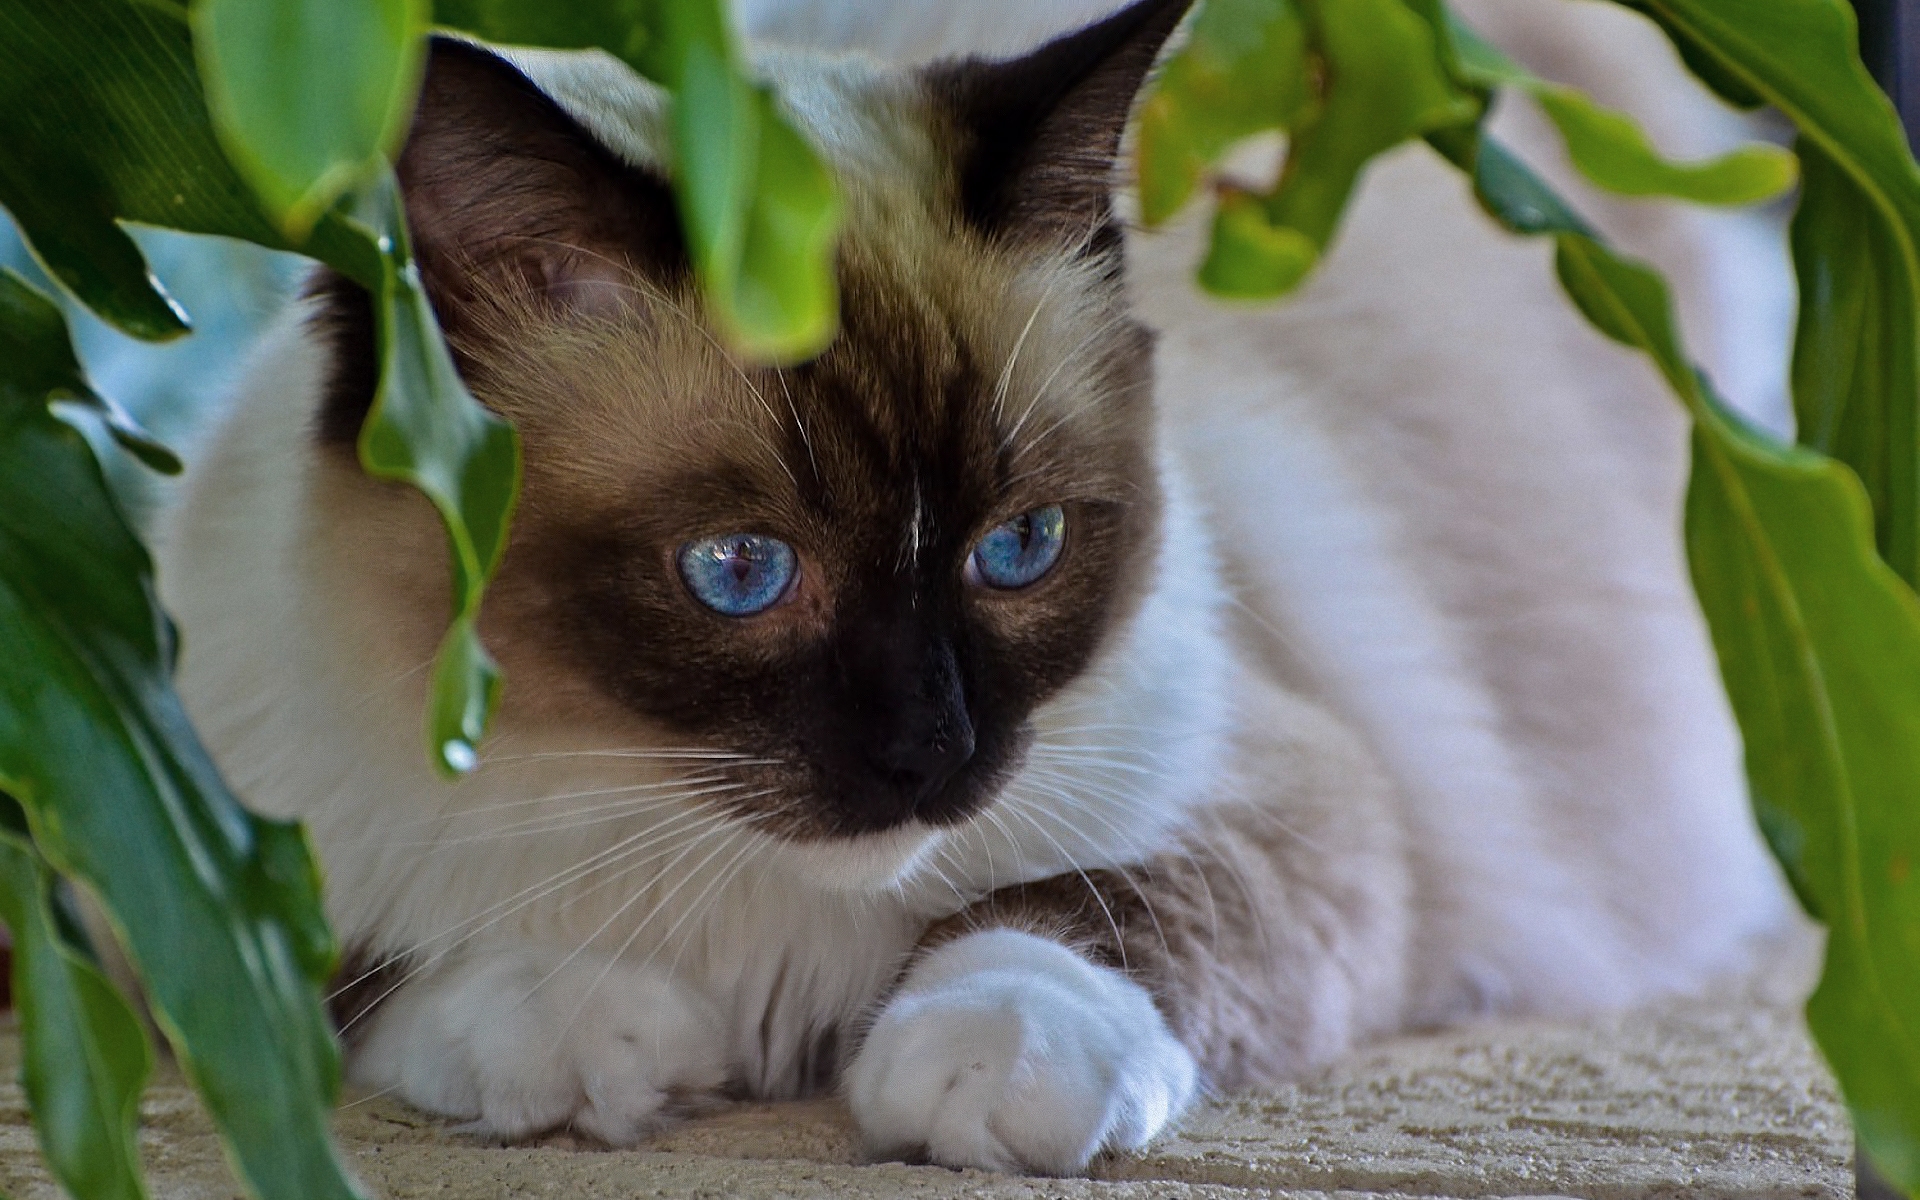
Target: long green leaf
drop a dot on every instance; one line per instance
(1863, 193)
(310, 97)
(1855, 390)
(219, 910)
(759, 208)
(119, 78)
(463, 458)
(1819, 645)
(1613, 152)
(84, 1055)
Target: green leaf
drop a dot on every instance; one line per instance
(760, 210)
(1249, 258)
(218, 909)
(1614, 153)
(1855, 378)
(1819, 645)
(84, 1054)
(310, 97)
(617, 26)
(1374, 77)
(1242, 71)
(115, 89)
(48, 138)
(427, 431)
(1802, 56)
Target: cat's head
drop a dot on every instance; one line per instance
(858, 578)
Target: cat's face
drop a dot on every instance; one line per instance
(858, 576)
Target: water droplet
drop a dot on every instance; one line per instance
(459, 755)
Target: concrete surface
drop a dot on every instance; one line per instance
(1721, 1096)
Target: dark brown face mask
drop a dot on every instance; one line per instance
(899, 493)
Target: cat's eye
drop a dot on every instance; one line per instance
(740, 574)
(1016, 554)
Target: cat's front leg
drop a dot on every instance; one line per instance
(521, 1040)
(1007, 1050)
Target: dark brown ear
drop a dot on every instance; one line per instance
(1036, 137)
(505, 194)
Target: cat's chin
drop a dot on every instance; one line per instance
(871, 862)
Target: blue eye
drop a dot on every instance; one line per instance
(1019, 552)
(740, 574)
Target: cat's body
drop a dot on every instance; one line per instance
(1242, 855)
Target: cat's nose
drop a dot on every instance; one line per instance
(918, 756)
(923, 734)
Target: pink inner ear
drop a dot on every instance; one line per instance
(587, 285)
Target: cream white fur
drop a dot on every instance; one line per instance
(1448, 510)
(1010, 1051)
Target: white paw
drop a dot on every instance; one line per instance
(1008, 1051)
(516, 1044)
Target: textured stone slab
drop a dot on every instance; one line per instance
(1721, 1097)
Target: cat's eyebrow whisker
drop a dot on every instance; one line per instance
(806, 439)
(1019, 344)
(1096, 335)
(641, 286)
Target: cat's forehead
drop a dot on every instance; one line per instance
(965, 383)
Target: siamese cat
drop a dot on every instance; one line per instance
(1017, 726)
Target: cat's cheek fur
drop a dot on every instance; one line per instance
(1008, 1051)
(518, 1042)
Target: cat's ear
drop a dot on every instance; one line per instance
(1035, 138)
(507, 196)
(505, 190)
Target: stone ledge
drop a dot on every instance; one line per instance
(1720, 1096)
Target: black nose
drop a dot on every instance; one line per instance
(927, 736)
(917, 758)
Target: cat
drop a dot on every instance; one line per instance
(1017, 725)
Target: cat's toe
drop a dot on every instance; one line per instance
(515, 1047)
(1011, 1052)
